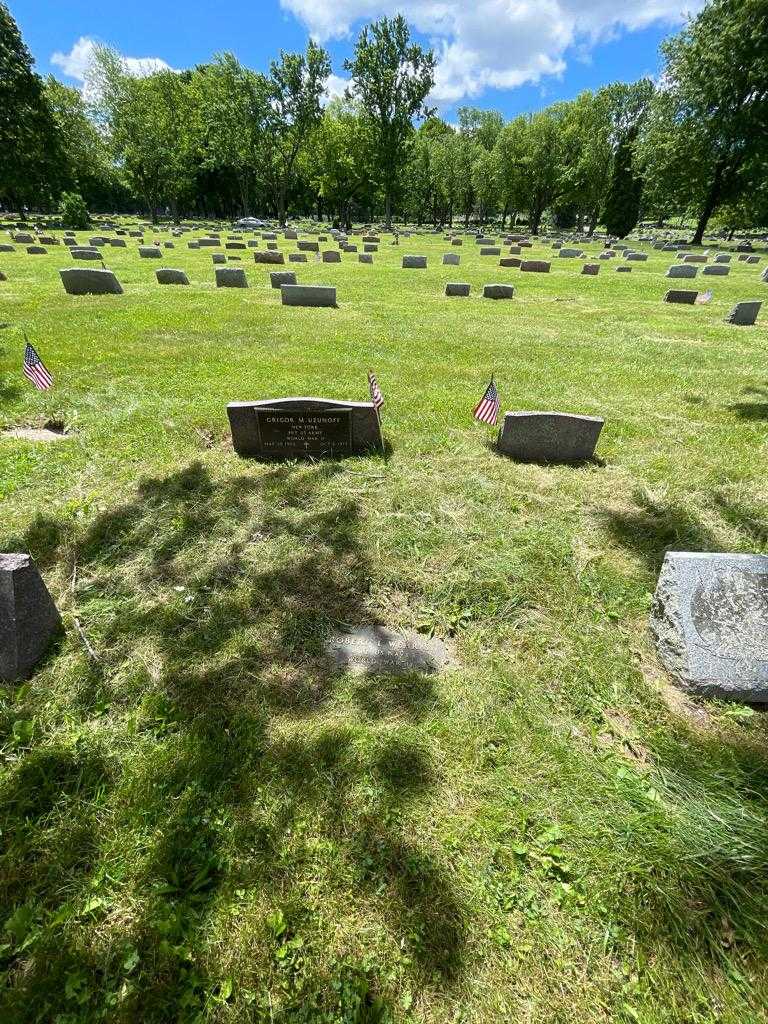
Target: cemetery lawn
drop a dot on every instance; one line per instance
(200, 822)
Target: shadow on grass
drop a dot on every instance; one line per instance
(752, 410)
(208, 604)
(655, 528)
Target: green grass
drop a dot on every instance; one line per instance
(204, 825)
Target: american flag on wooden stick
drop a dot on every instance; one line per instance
(376, 396)
(35, 369)
(487, 409)
(703, 297)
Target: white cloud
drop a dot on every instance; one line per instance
(76, 63)
(495, 43)
(334, 87)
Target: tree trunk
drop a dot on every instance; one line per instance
(388, 208)
(710, 203)
(731, 233)
(281, 206)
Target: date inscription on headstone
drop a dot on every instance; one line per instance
(286, 432)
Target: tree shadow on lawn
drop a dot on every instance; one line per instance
(208, 604)
(752, 410)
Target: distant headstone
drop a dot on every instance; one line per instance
(285, 428)
(23, 238)
(117, 243)
(5, 247)
(85, 254)
(490, 250)
(498, 291)
(716, 270)
(305, 246)
(277, 278)
(682, 270)
(744, 314)
(451, 259)
(723, 257)
(694, 257)
(535, 266)
(231, 277)
(710, 622)
(235, 245)
(636, 257)
(331, 256)
(623, 270)
(36, 250)
(681, 296)
(377, 650)
(29, 620)
(549, 436)
(457, 241)
(193, 245)
(297, 257)
(208, 243)
(218, 257)
(150, 252)
(455, 288)
(167, 275)
(414, 263)
(308, 295)
(85, 281)
(764, 275)
(570, 253)
(268, 257)
(591, 269)
(370, 247)
(510, 261)
(365, 257)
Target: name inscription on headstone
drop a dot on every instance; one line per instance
(315, 432)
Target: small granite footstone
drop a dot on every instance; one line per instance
(84, 281)
(268, 257)
(377, 650)
(277, 278)
(591, 269)
(710, 622)
(167, 275)
(150, 252)
(457, 288)
(308, 295)
(535, 266)
(451, 259)
(549, 436)
(681, 296)
(744, 314)
(29, 619)
(414, 262)
(286, 428)
(231, 277)
(498, 291)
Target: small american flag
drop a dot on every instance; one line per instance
(703, 297)
(376, 396)
(487, 409)
(35, 370)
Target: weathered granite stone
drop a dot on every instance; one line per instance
(510, 261)
(269, 236)
(744, 314)
(549, 436)
(150, 252)
(498, 291)
(308, 295)
(168, 245)
(29, 620)
(591, 269)
(37, 250)
(716, 270)
(290, 236)
(193, 245)
(272, 246)
(23, 238)
(5, 247)
(535, 266)
(85, 254)
(306, 246)
(231, 277)
(377, 650)
(710, 622)
(268, 257)
(636, 257)
(372, 239)
(208, 243)
(623, 270)
(235, 245)
(694, 257)
(681, 296)
(570, 253)
(331, 256)
(365, 257)
(252, 243)
(414, 263)
(764, 275)
(297, 257)
(277, 278)
(167, 275)
(451, 259)
(370, 247)
(723, 257)
(752, 260)
(218, 257)
(85, 281)
(118, 243)
(490, 250)
(457, 288)
(282, 428)
(457, 241)
(682, 270)
(515, 250)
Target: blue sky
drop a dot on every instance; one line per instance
(512, 55)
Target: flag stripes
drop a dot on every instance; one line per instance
(35, 370)
(487, 409)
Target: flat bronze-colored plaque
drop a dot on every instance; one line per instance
(287, 432)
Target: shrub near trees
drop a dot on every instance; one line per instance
(224, 140)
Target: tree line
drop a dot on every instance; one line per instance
(224, 140)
